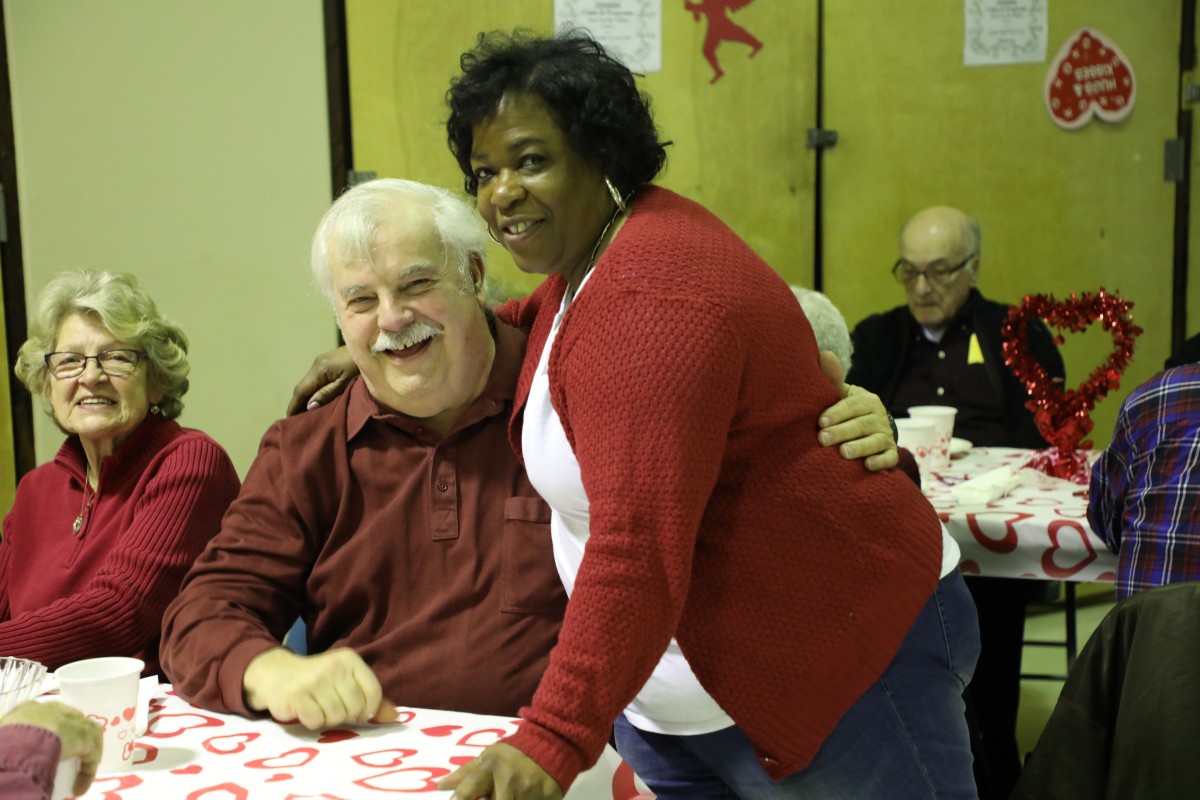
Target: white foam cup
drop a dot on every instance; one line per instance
(916, 436)
(106, 691)
(942, 418)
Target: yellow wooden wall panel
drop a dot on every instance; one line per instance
(1061, 211)
(738, 144)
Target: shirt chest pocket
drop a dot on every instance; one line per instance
(529, 582)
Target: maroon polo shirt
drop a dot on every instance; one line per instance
(429, 555)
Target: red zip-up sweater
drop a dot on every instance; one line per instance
(103, 592)
(687, 379)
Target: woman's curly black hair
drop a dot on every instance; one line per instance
(592, 96)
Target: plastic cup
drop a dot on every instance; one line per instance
(942, 418)
(106, 690)
(915, 436)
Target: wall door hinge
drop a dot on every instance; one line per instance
(820, 137)
(1174, 155)
(1189, 93)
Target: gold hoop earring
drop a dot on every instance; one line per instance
(616, 196)
(491, 235)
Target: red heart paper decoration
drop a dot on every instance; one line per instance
(1089, 77)
(1063, 416)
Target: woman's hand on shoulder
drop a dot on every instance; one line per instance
(325, 380)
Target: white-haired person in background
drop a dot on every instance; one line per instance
(828, 324)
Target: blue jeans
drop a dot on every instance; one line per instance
(906, 737)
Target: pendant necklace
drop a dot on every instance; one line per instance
(591, 262)
(88, 495)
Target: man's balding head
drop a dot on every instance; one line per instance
(939, 253)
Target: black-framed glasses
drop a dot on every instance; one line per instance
(114, 363)
(938, 273)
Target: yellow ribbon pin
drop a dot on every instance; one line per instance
(974, 354)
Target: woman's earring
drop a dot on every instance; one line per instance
(492, 235)
(616, 196)
(155, 409)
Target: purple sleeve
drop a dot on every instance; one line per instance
(28, 761)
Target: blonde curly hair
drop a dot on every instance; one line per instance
(127, 312)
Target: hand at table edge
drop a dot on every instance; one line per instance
(318, 691)
(501, 772)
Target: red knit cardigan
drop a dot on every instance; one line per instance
(687, 379)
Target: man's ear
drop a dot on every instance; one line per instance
(478, 270)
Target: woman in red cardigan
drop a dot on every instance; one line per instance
(99, 540)
(761, 618)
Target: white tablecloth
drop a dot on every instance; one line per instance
(1034, 532)
(191, 754)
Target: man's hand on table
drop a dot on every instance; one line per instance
(79, 737)
(320, 691)
(502, 772)
(858, 424)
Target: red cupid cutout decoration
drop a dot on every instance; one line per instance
(1089, 76)
(721, 29)
(1063, 416)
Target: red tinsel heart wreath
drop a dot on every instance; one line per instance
(1063, 416)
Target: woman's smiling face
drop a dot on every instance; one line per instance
(545, 203)
(102, 410)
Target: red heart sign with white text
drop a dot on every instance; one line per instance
(1089, 77)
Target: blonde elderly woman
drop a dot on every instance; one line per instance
(99, 540)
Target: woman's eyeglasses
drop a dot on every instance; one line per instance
(114, 363)
(941, 275)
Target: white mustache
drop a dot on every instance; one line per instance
(401, 340)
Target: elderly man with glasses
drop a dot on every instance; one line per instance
(944, 348)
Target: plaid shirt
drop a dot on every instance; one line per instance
(1145, 492)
